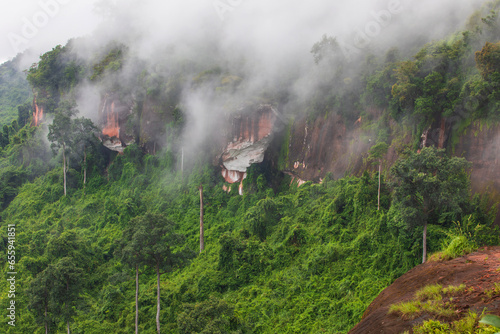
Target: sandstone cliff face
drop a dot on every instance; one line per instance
(328, 145)
(325, 146)
(481, 146)
(122, 125)
(248, 139)
(37, 113)
(114, 114)
(315, 147)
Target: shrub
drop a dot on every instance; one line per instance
(432, 326)
(430, 292)
(459, 246)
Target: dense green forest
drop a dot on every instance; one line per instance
(279, 259)
(14, 92)
(298, 259)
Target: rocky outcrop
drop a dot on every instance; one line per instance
(329, 145)
(114, 114)
(326, 145)
(250, 135)
(477, 271)
(480, 144)
(37, 113)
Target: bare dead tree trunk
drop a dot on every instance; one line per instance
(158, 299)
(202, 240)
(84, 166)
(379, 171)
(136, 299)
(84, 169)
(182, 160)
(67, 321)
(45, 321)
(424, 256)
(64, 167)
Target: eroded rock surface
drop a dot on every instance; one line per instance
(250, 136)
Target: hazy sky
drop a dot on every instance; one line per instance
(267, 42)
(42, 24)
(269, 27)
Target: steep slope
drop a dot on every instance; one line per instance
(328, 145)
(278, 258)
(479, 272)
(14, 90)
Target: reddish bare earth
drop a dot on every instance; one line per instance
(479, 270)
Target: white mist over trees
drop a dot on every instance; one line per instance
(266, 45)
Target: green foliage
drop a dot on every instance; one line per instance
(493, 292)
(430, 292)
(459, 246)
(57, 73)
(326, 48)
(432, 326)
(22, 160)
(14, 91)
(452, 290)
(211, 317)
(378, 151)
(469, 324)
(491, 320)
(301, 259)
(429, 186)
(488, 62)
(154, 235)
(306, 259)
(429, 300)
(112, 62)
(409, 310)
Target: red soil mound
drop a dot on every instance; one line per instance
(479, 270)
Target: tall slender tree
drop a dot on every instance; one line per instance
(66, 288)
(429, 183)
(156, 236)
(377, 152)
(40, 294)
(70, 257)
(130, 253)
(61, 132)
(202, 236)
(71, 135)
(83, 137)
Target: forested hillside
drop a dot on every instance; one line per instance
(347, 187)
(14, 92)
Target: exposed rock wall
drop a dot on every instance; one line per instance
(37, 113)
(249, 137)
(481, 146)
(114, 114)
(326, 145)
(315, 147)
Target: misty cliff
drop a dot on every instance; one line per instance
(262, 134)
(328, 145)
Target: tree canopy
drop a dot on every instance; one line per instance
(430, 187)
